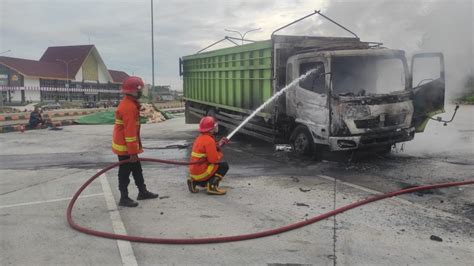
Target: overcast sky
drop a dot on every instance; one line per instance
(121, 30)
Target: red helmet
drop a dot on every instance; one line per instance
(132, 84)
(207, 124)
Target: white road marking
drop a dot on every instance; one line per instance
(368, 190)
(399, 200)
(46, 201)
(125, 248)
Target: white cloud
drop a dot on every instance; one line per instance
(121, 29)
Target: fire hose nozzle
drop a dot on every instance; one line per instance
(223, 141)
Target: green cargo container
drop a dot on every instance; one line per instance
(237, 78)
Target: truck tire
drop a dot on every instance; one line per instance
(302, 141)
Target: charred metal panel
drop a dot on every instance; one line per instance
(308, 102)
(371, 140)
(370, 114)
(376, 118)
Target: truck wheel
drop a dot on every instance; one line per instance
(302, 141)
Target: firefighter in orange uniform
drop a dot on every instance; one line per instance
(126, 142)
(210, 172)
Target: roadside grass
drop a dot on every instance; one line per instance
(468, 99)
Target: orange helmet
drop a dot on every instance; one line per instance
(132, 84)
(207, 124)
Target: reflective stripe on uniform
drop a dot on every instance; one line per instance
(198, 155)
(119, 147)
(209, 170)
(130, 139)
(120, 122)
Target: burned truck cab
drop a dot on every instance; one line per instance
(369, 99)
(362, 98)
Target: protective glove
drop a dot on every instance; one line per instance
(223, 141)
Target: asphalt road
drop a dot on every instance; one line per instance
(40, 170)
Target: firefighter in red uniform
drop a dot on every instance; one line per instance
(126, 142)
(210, 172)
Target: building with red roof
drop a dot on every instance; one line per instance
(75, 73)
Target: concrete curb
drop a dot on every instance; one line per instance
(167, 105)
(17, 128)
(67, 122)
(173, 111)
(48, 115)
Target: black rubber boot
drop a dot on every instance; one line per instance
(144, 194)
(192, 186)
(127, 202)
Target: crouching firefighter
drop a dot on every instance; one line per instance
(126, 142)
(211, 171)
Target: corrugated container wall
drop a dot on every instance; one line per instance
(238, 77)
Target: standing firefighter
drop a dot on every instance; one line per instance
(126, 142)
(210, 172)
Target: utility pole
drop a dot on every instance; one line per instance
(1, 91)
(152, 56)
(242, 36)
(67, 75)
(1, 98)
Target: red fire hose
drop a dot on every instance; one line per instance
(235, 237)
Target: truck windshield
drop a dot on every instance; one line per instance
(367, 75)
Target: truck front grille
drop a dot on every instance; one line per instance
(394, 120)
(368, 123)
(390, 120)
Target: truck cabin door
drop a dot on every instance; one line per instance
(428, 83)
(311, 96)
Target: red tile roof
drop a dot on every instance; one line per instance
(50, 65)
(74, 56)
(34, 68)
(118, 76)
